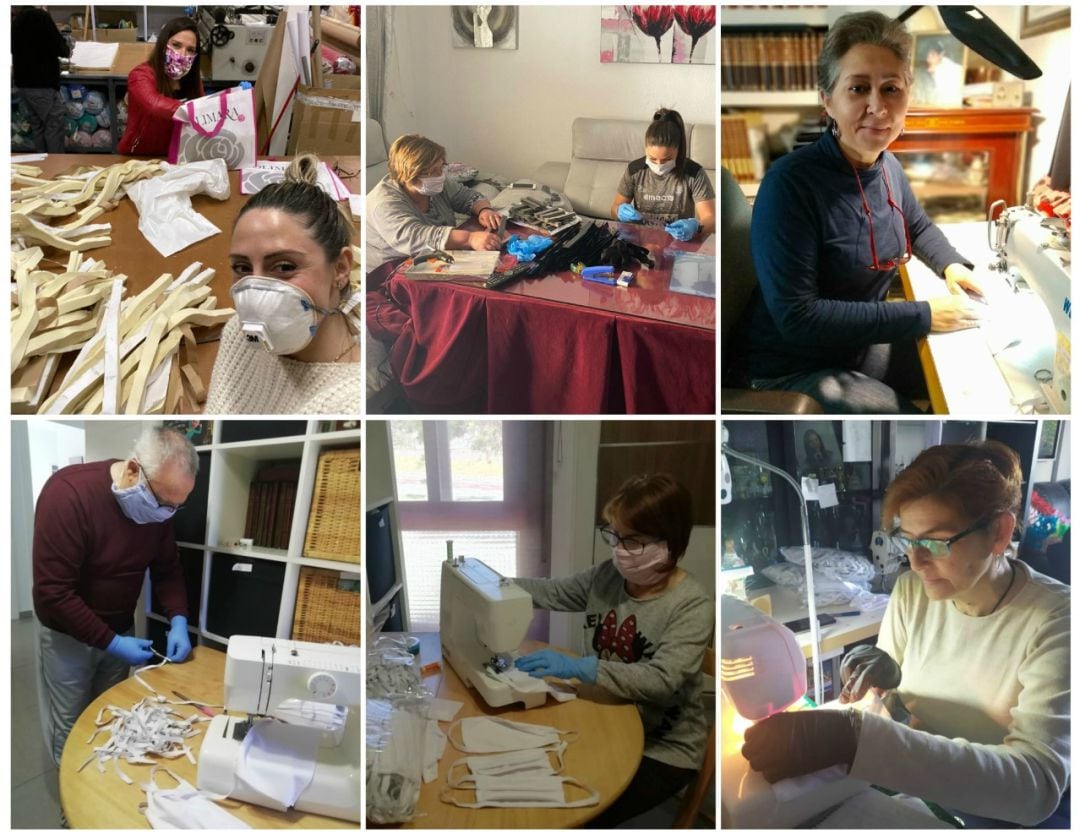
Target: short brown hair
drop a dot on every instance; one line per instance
(976, 480)
(410, 154)
(656, 505)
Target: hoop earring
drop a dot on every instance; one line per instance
(834, 128)
(902, 130)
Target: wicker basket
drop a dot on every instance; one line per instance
(333, 530)
(326, 612)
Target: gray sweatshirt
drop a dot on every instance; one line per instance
(396, 228)
(650, 652)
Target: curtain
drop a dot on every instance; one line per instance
(380, 29)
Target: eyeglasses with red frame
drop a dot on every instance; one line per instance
(903, 259)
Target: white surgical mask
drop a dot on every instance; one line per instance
(530, 791)
(661, 169)
(276, 315)
(642, 569)
(185, 807)
(139, 504)
(513, 763)
(430, 186)
(481, 734)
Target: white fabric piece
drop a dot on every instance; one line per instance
(443, 709)
(111, 332)
(166, 217)
(481, 734)
(185, 807)
(150, 727)
(278, 761)
(787, 790)
(516, 763)
(524, 682)
(434, 747)
(520, 792)
(329, 717)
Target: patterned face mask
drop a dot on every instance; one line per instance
(177, 65)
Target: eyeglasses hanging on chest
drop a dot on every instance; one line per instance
(903, 259)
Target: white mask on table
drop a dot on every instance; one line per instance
(185, 806)
(531, 791)
(481, 734)
(533, 762)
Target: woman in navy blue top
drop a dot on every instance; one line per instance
(832, 221)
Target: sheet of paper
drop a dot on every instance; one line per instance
(355, 202)
(827, 496)
(91, 55)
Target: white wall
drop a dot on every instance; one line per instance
(107, 439)
(509, 111)
(39, 448)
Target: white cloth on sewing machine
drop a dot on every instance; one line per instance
(481, 734)
(278, 761)
(185, 807)
(524, 682)
(330, 717)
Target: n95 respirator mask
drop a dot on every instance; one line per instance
(275, 315)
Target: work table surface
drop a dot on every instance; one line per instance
(101, 800)
(604, 756)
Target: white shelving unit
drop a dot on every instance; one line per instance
(380, 491)
(233, 466)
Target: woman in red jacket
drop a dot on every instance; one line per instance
(156, 88)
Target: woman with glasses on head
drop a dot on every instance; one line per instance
(831, 223)
(648, 623)
(973, 655)
(411, 210)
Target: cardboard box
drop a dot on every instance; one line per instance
(341, 82)
(115, 35)
(325, 130)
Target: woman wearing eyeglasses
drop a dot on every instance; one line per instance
(973, 652)
(648, 623)
(831, 223)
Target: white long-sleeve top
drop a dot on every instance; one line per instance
(989, 698)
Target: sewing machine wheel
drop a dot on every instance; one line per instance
(221, 35)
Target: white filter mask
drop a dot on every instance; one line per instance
(481, 734)
(644, 568)
(185, 807)
(514, 763)
(661, 169)
(276, 315)
(530, 791)
(430, 186)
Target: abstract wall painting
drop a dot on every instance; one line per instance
(658, 34)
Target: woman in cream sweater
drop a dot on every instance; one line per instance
(973, 652)
(293, 346)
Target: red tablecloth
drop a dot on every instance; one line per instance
(463, 349)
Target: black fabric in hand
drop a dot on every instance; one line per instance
(865, 667)
(796, 743)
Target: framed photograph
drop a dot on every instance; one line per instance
(1038, 20)
(938, 70)
(816, 447)
(1048, 439)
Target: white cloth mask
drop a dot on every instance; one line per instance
(530, 791)
(514, 763)
(644, 568)
(275, 314)
(185, 807)
(661, 169)
(430, 186)
(481, 734)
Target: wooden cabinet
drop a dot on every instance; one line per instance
(1000, 134)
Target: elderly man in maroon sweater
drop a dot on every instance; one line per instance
(97, 528)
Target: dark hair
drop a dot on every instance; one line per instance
(666, 131)
(189, 84)
(656, 505)
(976, 480)
(300, 196)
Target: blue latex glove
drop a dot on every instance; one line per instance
(527, 249)
(179, 644)
(131, 650)
(245, 85)
(545, 662)
(628, 214)
(683, 229)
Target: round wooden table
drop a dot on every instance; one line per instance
(101, 800)
(604, 756)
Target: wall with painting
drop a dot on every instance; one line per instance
(508, 111)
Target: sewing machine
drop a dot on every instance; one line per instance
(762, 672)
(237, 42)
(262, 673)
(483, 617)
(1034, 250)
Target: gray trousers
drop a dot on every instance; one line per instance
(70, 675)
(48, 115)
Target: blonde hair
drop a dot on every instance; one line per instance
(411, 154)
(327, 221)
